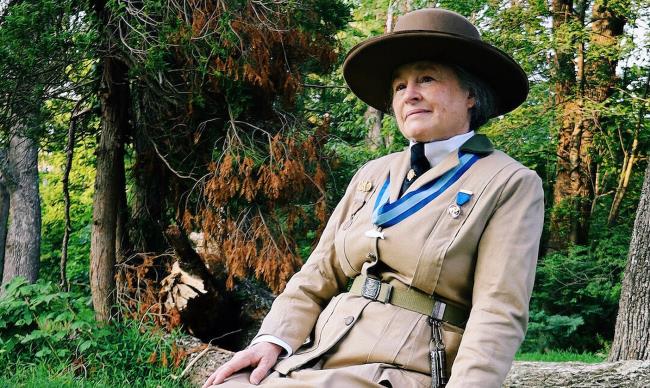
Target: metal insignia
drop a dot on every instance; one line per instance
(364, 186)
(454, 211)
(410, 175)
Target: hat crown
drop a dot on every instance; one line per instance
(437, 20)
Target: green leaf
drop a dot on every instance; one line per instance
(43, 352)
(85, 345)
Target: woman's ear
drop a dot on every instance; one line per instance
(471, 99)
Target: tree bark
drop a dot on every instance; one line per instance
(150, 184)
(373, 118)
(23, 243)
(122, 243)
(114, 97)
(4, 206)
(632, 332)
(563, 223)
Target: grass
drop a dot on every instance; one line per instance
(46, 376)
(561, 356)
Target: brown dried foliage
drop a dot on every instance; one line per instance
(252, 210)
(242, 60)
(138, 289)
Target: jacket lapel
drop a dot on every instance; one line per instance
(398, 169)
(478, 144)
(449, 162)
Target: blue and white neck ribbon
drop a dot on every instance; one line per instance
(387, 214)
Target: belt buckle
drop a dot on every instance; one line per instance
(438, 311)
(371, 288)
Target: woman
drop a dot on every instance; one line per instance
(439, 242)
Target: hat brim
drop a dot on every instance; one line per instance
(369, 66)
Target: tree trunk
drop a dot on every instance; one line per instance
(629, 161)
(114, 97)
(562, 222)
(632, 332)
(373, 118)
(149, 188)
(623, 180)
(122, 243)
(574, 187)
(4, 207)
(23, 243)
(69, 154)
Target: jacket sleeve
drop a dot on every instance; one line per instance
(503, 282)
(295, 311)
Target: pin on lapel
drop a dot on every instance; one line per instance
(410, 175)
(364, 186)
(462, 198)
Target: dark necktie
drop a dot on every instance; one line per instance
(419, 165)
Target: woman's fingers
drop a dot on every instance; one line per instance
(263, 355)
(263, 367)
(239, 361)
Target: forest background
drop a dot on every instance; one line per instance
(132, 129)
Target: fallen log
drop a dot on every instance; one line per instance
(207, 310)
(634, 374)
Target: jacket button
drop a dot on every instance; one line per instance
(348, 320)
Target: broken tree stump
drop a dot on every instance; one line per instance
(209, 311)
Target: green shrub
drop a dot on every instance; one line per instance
(44, 330)
(576, 294)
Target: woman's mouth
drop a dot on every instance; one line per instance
(416, 112)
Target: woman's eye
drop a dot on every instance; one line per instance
(427, 78)
(399, 87)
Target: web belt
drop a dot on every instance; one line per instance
(410, 299)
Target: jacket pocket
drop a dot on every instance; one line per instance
(332, 325)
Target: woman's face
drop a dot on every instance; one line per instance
(429, 103)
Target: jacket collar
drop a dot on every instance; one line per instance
(478, 144)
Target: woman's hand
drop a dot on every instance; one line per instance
(262, 355)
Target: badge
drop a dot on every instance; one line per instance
(462, 198)
(364, 186)
(453, 210)
(410, 175)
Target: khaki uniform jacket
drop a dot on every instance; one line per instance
(484, 259)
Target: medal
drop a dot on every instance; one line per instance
(453, 210)
(462, 198)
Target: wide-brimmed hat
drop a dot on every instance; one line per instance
(438, 35)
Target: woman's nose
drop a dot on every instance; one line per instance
(412, 92)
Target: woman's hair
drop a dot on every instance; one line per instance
(484, 98)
